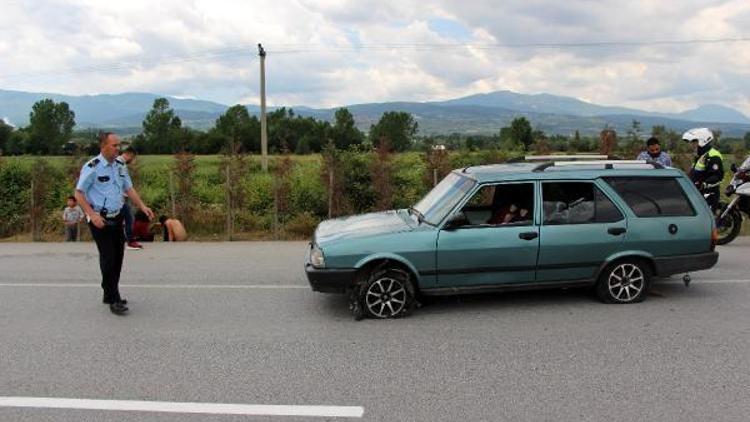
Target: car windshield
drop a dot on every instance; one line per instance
(444, 197)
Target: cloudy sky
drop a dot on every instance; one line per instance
(667, 55)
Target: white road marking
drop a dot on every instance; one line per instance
(166, 286)
(177, 407)
(699, 281)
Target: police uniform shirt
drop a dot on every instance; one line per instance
(104, 183)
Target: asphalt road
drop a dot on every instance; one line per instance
(235, 323)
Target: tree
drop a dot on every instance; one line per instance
(239, 129)
(50, 126)
(5, 132)
(521, 133)
(397, 127)
(507, 142)
(17, 142)
(607, 141)
(161, 129)
(541, 144)
(343, 132)
(747, 140)
(635, 144)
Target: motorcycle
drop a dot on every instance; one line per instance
(729, 216)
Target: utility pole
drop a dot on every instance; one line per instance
(263, 130)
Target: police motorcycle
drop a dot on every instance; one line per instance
(729, 216)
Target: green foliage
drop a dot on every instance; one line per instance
(5, 132)
(259, 189)
(17, 142)
(408, 179)
(344, 133)
(162, 130)
(287, 132)
(397, 127)
(358, 180)
(302, 224)
(238, 130)
(520, 132)
(15, 182)
(308, 193)
(50, 126)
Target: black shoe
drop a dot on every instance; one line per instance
(109, 302)
(118, 308)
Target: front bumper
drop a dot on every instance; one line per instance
(669, 265)
(330, 280)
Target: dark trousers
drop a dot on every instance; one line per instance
(110, 241)
(125, 211)
(71, 233)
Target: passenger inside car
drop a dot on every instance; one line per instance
(512, 204)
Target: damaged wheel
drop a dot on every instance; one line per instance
(387, 293)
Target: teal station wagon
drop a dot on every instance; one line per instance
(611, 225)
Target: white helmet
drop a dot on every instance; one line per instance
(703, 135)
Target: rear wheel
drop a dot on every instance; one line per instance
(727, 227)
(624, 282)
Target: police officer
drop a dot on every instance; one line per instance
(708, 165)
(100, 189)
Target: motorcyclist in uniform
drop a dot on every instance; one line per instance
(708, 165)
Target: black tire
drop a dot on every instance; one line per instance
(626, 281)
(729, 228)
(386, 293)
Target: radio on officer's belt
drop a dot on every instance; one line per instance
(103, 211)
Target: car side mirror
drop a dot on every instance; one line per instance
(733, 167)
(456, 221)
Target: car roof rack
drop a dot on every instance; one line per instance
(570, 157)
(562, 157)
(606, 164)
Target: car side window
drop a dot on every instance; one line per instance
(500, 205)
(652, 196)
(577, 203)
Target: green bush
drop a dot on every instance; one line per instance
(302, 225)
(15, 182)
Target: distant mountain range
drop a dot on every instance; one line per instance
(474, 114)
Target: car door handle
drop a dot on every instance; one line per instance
(528, 235)
(616, 231)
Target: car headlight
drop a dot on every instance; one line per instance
(317, 259)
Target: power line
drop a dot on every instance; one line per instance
(299, 48)
(144, 62)
(305, 48)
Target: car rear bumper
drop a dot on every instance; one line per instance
(669, 265)
(330, 280)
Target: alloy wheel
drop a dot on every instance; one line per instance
(385, 297)
(626, 282)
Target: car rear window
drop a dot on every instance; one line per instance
(576, 203)
(652, 197)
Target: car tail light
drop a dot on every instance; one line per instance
(714, 238)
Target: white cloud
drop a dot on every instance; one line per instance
(190, 49)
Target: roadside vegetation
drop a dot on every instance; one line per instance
(213, 180)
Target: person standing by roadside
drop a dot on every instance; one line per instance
(100, 191)
(72, 215)
(654, 152)
(126, 158)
